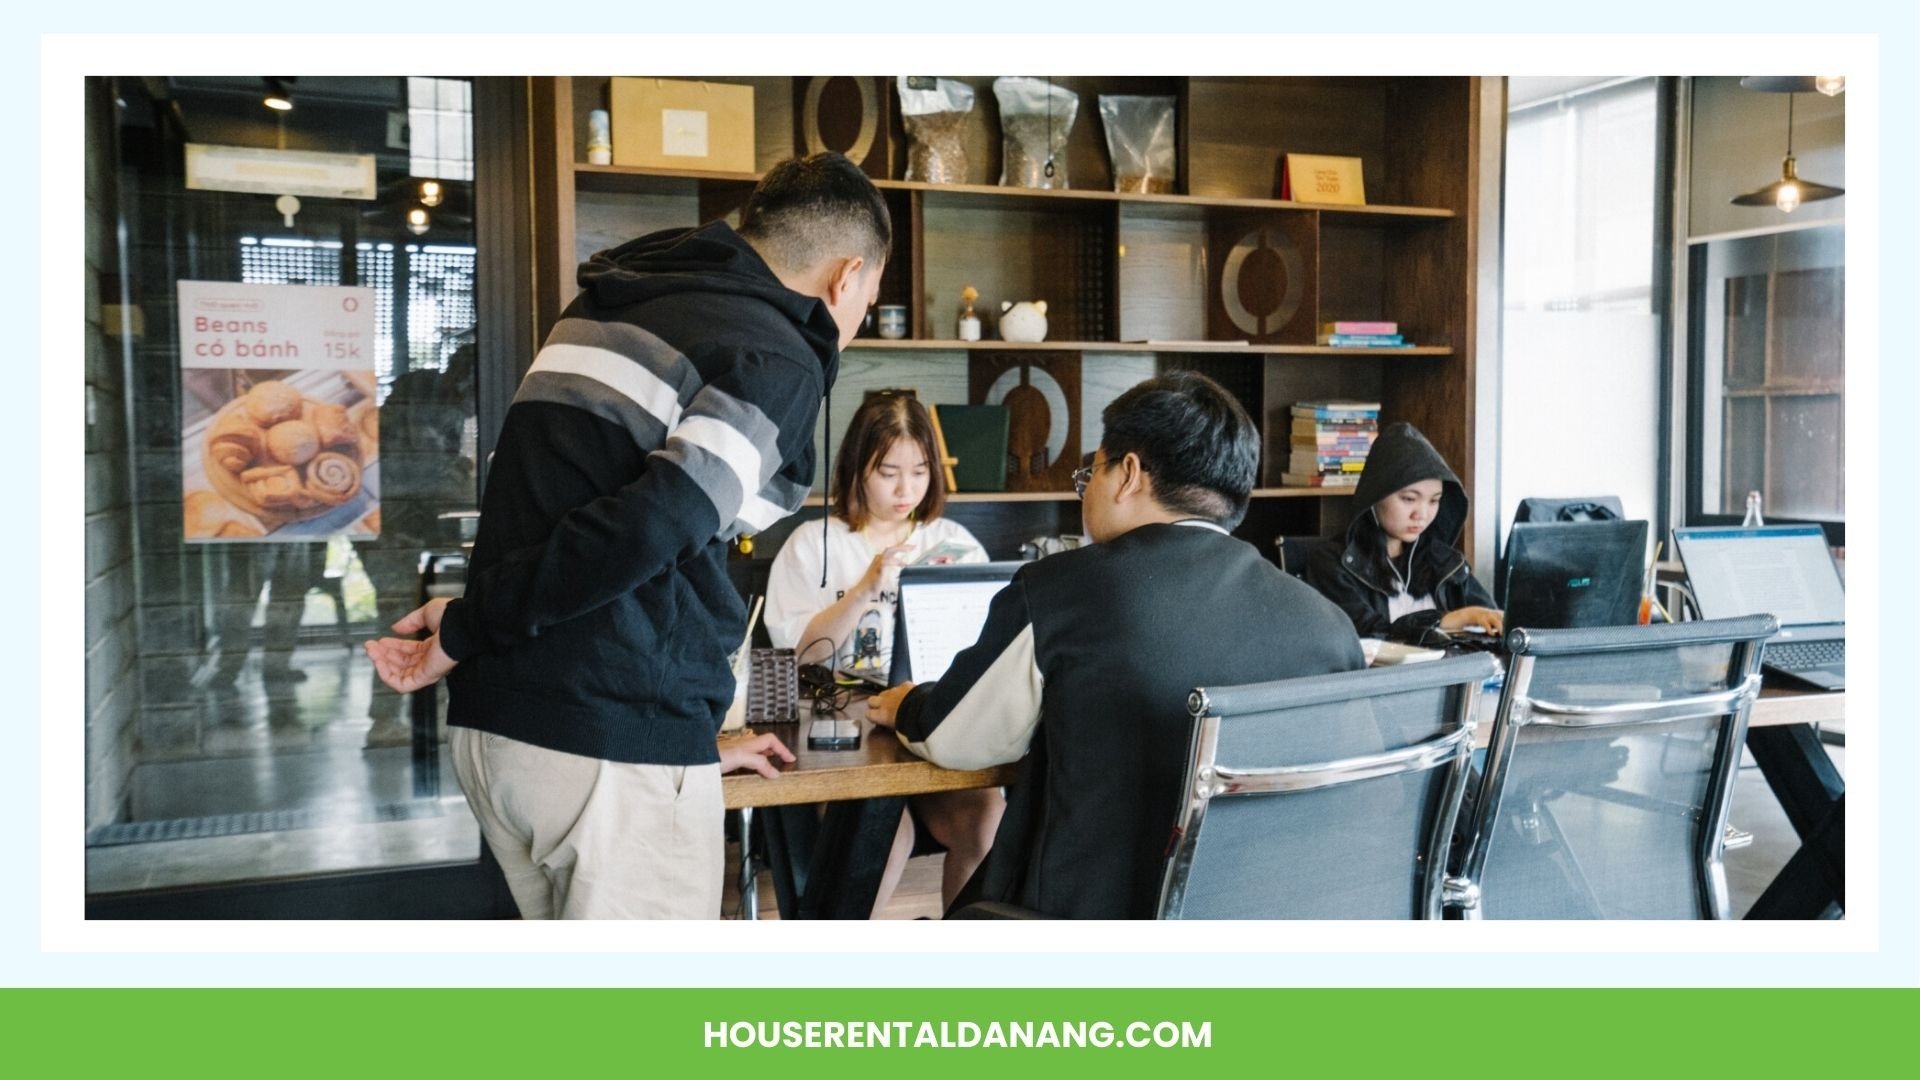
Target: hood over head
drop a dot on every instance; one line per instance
(1400, 457)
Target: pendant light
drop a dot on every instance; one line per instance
(1830, 85)
(1789, 191)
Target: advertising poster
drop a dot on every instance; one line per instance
(280, 424)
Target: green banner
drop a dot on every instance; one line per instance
(848, 1033)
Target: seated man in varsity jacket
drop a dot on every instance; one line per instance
(1087, 657)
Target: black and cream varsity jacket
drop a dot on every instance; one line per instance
(671, 408)
(1084, 667)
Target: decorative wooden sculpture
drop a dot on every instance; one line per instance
(1261, 277)
(852, 114)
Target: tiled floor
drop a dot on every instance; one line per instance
(302, 751)
(291, 754)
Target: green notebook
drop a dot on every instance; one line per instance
(977, 436)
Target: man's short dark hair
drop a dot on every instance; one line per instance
(817, 207)
(1193, 438)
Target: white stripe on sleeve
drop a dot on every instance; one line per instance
(994, 723)
(618, 372)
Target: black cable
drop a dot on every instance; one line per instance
(826, 446)
(817, 684)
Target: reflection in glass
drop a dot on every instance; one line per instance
(1773, 341)
(248, 736)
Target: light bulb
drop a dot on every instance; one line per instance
(1787, 197)
(430, 193)
(1830, 84)
(417, 220)
(277, 103)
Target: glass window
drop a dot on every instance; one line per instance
(236, 729)
(440, 123)
(1580, 341)
(1770, 362)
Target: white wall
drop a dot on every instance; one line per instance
(1579, 408)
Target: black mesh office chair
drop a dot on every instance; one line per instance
(1293, 552)
(1330, 797)
(1609, 773)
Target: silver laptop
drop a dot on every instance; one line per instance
(1786, 571)
(941, 611)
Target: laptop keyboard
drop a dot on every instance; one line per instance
(1807, 655)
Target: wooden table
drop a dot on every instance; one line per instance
(828, 865)
(1783, 742)
(880, 768)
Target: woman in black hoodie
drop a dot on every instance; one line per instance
(1400, 575)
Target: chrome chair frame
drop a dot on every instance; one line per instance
(1208, 778)
(1519, 710)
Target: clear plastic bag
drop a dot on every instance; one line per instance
(1035, 119)
(1140, 142)
(934, 112)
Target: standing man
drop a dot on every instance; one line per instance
(671, 409)
(1085, 661)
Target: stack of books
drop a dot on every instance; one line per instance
(1329, 442)
(1363, 335)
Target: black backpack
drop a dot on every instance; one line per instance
(1598, 508)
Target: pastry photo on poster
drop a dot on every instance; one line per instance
(280, 422)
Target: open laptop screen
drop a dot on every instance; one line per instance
(1785, 570)
(1566, 574)
(941, 611)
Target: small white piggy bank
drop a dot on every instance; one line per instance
(1025, 321)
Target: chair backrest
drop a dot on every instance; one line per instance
(1294, 551)
(1330, 797)
(1586, 508)
(1609, 773)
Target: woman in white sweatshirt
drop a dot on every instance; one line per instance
(888, 493)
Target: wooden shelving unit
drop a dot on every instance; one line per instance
(1207, 347)
(1136, 282)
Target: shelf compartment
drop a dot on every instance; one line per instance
(1015, 251)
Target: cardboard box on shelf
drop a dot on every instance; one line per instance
(679, 124)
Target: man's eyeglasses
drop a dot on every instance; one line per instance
(1084, 473)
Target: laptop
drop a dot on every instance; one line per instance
(1575, 574)
(941, 611)
(1785, 571)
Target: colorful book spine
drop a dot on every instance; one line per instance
(1366, 429)
(1340, 412)
(1364, 341)
(1291, 479)
(1311, 463)
(1331, 449)
(1349, 438)
(1347, 327)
